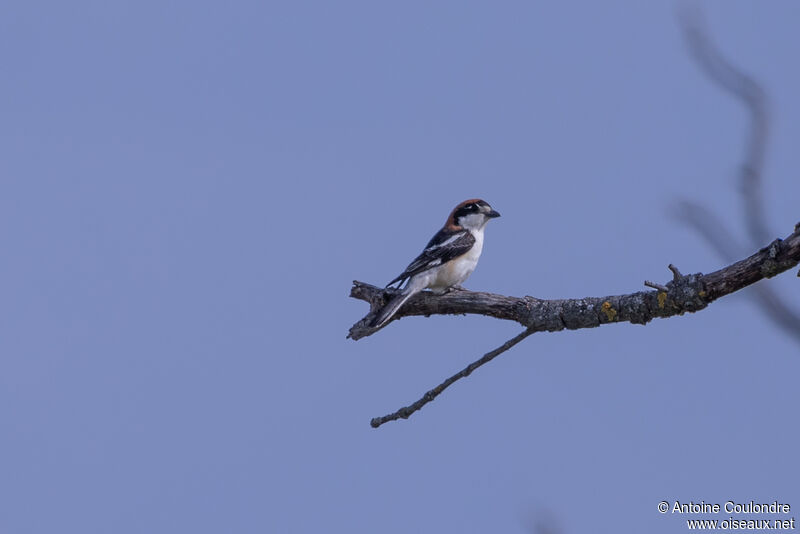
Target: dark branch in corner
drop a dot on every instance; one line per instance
(754, 98)
(689, 293)
(750, 93)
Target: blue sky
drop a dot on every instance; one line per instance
(187, 190)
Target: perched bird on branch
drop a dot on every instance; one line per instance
(448, 259)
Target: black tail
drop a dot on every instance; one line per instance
(391, 308)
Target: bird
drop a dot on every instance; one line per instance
(448, 259)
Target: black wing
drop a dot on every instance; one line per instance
(443, 247)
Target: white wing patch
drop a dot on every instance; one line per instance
(448, 241)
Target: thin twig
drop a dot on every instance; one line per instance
(406, 411)
(660, 287)
(676, 274)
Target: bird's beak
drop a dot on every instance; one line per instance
(492, 214)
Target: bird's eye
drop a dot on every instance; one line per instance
(470, 206)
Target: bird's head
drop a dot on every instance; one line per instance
(472, 214)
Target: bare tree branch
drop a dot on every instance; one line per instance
(688, 293)
(684, 293)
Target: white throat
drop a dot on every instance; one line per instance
(473, 222)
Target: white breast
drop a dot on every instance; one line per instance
(455, 271)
